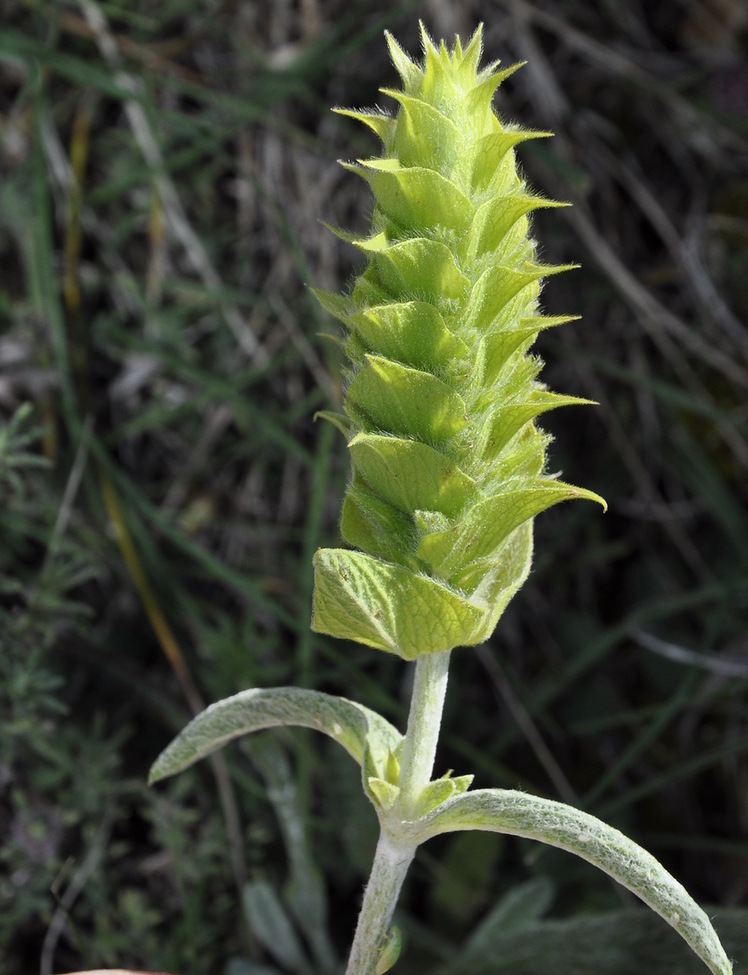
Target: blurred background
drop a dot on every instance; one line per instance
(164, 171)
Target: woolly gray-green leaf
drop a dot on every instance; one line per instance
(352, 725)
(557, 824)
(272, 926)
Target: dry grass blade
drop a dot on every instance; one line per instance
(716, 664)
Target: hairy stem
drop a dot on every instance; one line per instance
(391, 862)
(424, 721)
(394, 853)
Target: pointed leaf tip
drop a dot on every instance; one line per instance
(378, 121)
(474, 49)
(426, 41)
(405, 67)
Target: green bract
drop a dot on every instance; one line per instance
(448, 464)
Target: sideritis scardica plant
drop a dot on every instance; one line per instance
(442, 392)
(448, 474)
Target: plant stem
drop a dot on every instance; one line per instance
(424, 721)
(391, 862)
(395, 852)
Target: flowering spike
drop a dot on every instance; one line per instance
(442, 394)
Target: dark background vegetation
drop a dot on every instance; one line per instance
(164, 171)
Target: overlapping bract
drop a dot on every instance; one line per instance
(442, 393)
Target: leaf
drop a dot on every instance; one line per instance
(468, 866)
(339, 420)
(519, 907)
(497, 347)
(557, 824)
(488, 152)
(383, 793)
(495, 218)
(390, 952)
(357, 597)
(377, 121)
(411, 332)
(492, 583)
(433, 795)
(485, 526)
(497, 286)
(339, 306)
(350, 724)
(303, 890)
(463, 782)
(479, 98)
(424, 135)
(507, 420)
(408, 70)
(388, 396)
(411, 475)
(420, 268)
(273, 928)
(516, 910)
(416, 197)
(611, 943)
(374, 525)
